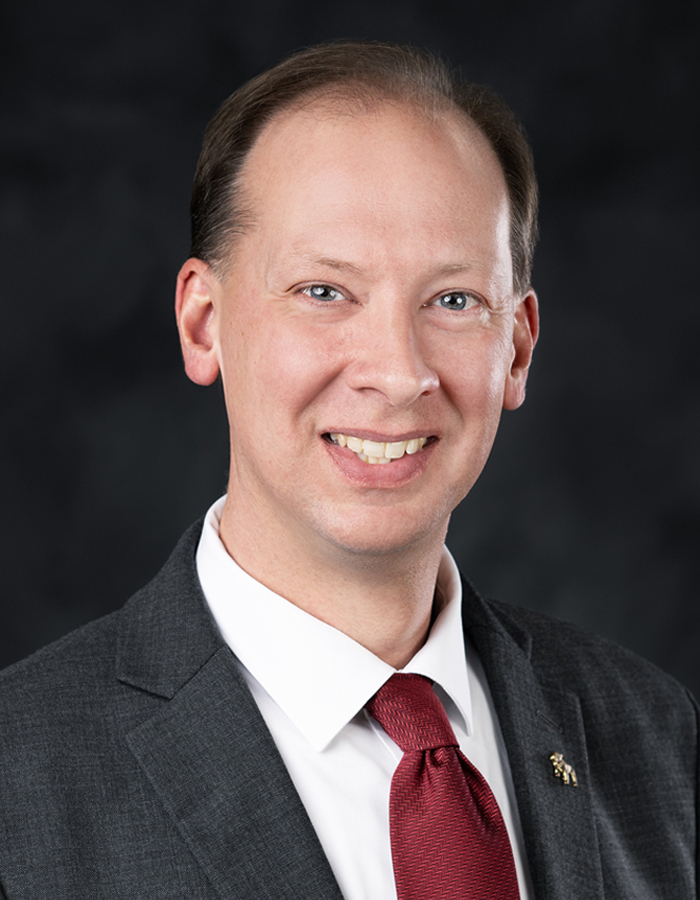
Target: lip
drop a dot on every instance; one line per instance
(396, 474)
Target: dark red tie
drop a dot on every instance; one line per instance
(448, 838)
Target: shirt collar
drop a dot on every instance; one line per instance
(318, 676)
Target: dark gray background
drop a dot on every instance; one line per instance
(590, 507)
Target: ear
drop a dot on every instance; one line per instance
(525, 331)
(197, 320)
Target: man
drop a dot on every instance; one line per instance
(362, 238)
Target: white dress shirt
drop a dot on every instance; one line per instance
(311, 683)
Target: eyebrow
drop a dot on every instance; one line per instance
(340, 265)
(451, 268)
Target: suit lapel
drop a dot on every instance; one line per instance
(207, 752)
(535, 720)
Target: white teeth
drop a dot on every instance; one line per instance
(375, 452)
(372, 448)
(395, 450)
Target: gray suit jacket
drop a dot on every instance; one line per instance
(134, 762)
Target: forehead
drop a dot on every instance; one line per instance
(338, 175)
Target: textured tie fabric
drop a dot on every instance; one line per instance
(448, 838)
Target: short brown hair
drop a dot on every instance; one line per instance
(363, 72)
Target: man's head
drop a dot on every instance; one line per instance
(361, 74)
(363, 315)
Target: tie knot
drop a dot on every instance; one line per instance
(408, 710)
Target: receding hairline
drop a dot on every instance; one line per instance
(339, 100)
(360, 74)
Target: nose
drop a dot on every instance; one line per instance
(389, 357)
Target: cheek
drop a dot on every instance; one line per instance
(274, 368)
(475, 377)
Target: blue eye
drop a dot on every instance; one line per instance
(456, 300)
(322, 292)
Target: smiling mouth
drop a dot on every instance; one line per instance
(376, 453)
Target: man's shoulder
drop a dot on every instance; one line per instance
(77, 720)
(567, 656)
(81, 654)
(61, 710)
(85, 663)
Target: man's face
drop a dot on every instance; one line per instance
(371, 303)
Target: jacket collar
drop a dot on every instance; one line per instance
(167, 633)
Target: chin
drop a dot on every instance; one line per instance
(376, 536)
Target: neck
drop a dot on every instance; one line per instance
(384, 601)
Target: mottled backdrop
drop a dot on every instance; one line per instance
(590, 506)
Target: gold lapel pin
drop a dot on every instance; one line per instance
(562, 769)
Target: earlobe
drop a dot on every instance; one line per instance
(525, 332)
(195, 311)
